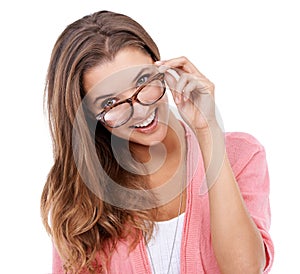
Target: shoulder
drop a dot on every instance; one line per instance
(241, 147)
(244, 140)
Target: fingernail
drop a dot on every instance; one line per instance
(159, 63)
(162, 68)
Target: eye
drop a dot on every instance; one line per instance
(108, 102)
(142, 80)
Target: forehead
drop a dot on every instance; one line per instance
(121, 81)
(125, 64)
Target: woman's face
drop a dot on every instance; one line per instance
(117, 80)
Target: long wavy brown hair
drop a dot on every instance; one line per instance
(82, 225)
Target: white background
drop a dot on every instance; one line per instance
(249, 49)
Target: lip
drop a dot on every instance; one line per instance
(149, 128)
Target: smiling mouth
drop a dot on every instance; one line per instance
(147, 122)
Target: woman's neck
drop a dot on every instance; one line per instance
(166, 165)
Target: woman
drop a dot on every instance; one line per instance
(134, 188)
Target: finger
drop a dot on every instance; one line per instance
(203, 85)
(180, 63)
(182, 82)
(188, 89)
(163, 68)
(172, 82)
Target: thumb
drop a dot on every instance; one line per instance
(171, 82)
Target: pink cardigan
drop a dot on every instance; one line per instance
(247, 158)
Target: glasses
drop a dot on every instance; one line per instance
(147, 94)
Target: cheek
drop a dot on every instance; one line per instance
(164, 107)
(122, 132)
(164, 99)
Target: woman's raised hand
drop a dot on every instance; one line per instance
(193, 93)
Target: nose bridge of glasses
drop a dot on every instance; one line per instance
(131, 95)
(126, 93)
(140, 110)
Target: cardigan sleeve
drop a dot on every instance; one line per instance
(248, 160)
(57, 265)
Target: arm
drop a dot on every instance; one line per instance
(236, 240)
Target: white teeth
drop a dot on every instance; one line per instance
(147, 121)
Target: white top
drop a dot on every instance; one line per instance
(160, 246)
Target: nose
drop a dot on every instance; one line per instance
(139, 111)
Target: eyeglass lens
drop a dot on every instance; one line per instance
(148, 95)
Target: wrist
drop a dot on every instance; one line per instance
(209, 134)
(212, 145)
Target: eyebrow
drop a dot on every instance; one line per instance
(102, 97)
(111, 94)
(140, 73)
